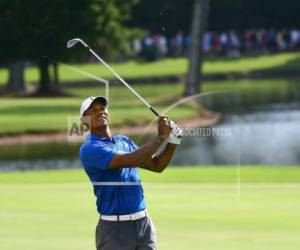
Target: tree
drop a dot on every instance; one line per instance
(11, 52)
(175, 15)
(39, 29)
(196, 52)
(114, 36)
(47, 26)
(16, 82)
(162, 16)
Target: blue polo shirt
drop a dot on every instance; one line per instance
(118, 191)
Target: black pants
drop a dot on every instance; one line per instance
(126, 235)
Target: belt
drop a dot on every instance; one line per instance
(126, 217)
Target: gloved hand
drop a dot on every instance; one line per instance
(175, 135)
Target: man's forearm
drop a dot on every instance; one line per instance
(163, 159)
(159, 162)
(137, 157)
(146, 151)
(140, 156)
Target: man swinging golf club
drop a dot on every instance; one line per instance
(111, 162)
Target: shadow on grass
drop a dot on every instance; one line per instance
(290, 69)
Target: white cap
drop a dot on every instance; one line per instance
(88, 101)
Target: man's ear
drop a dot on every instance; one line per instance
(86, 120)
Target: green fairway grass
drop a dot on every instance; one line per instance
(170, 66)
(249, 174)
(193, 208)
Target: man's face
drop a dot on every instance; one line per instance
(98, 115)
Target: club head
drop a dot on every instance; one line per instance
(74, 41)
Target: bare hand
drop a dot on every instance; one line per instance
(164, 127)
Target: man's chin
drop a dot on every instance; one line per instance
(102, 124)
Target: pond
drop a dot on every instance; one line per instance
(262, 132)
(266, 135)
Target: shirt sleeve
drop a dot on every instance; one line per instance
(97, 156)
(132, 143)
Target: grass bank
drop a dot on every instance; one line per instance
(20, 115)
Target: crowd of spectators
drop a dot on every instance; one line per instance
(229, 43)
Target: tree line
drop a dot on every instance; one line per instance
(169, 16)
(36, 30)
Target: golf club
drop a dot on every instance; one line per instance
(74, 41)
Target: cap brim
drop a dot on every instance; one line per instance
(103, 100)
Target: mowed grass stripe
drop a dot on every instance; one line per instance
(209, 174)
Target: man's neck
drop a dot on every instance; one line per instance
(103, 132)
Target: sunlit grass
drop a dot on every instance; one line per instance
(170, 66)
(192, 208)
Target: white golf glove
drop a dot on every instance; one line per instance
(175, 135)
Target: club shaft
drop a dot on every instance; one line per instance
(125, 83)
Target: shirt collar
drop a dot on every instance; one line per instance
(98, 138)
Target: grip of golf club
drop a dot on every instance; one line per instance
(154, 111)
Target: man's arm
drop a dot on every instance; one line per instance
(157, 163)
(139, 156)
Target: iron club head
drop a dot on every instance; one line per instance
(74, 41)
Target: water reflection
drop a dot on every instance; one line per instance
(260, 137)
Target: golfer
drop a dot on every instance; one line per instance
(111, 163)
